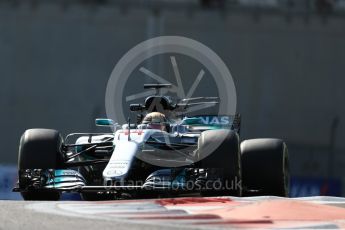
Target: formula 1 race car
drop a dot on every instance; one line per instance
(159, 156)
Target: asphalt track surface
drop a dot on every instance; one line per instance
(179, 213)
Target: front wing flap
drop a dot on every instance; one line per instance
(165, 180)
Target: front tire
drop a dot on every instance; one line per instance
(220, 150)
(265, 167)
(40, 149)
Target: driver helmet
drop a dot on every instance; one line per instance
(155, 120)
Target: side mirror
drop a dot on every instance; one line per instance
(104, 122)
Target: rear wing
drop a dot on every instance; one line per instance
(232, 122)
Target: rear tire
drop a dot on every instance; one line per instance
(40, 149)
(225, 155)
(265, 164)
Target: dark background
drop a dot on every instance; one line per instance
(287, 59)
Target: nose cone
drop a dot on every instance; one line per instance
(121, 160)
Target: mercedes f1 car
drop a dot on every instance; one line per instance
(159, 156)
